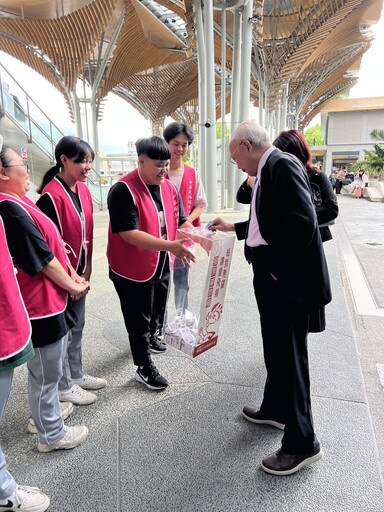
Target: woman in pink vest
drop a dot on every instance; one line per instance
(145, 211)
(67, 201)
(15, 349)
(45, 278)
(179, 137)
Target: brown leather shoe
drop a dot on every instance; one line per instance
(253, 415)
(280, 463)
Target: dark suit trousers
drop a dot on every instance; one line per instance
(143, 307)
(284, 331)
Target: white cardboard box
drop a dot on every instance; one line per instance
(215, 266)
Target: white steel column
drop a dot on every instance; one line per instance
(284, 110)
(210, 123)
(245, 80)
(223, 106)
(95, 145)
(202, 94)
(235, 95)
(246, 50)
(278, 118)
(77, 112)
(261, 106)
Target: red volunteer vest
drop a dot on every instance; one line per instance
(188, 191)
(76, 230)
(136, 263)
(15, 328)
(42, 297)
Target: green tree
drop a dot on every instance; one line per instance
(218, 130)
(377, 135)
(361, 164)
(313, 135)
(375, 159)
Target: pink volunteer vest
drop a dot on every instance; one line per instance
(42, 297)
(133, 262)
(77, 232)
(15, 328)
(188, 191)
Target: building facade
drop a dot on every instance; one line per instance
(346, 125)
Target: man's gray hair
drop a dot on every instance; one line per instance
(252, 132)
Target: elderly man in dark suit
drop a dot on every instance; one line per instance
(283, 244)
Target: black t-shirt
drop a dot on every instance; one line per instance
(46, 205)
(124, 216)
(31, 253)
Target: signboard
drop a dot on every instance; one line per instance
(24, 153)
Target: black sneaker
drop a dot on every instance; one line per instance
(150, 377)
(156, 346)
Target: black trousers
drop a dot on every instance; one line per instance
(338, 186)
(284, 328)
(143, 307)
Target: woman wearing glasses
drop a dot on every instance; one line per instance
(45, 278)
(15, 349)
(68, 203)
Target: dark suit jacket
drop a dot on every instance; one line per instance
(323, 196)
(287, 221)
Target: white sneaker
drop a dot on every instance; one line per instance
(26, 499)
(77, 396)
(72, 438)
(89, 382)
(66, 409)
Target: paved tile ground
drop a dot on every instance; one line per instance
(187, 449)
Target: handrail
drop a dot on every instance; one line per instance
(97, 185)
(39, 128)
(27, 114)
(35, 123)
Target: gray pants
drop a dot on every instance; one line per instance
(72, 355)
(7, 482)
(44, 373)
(180, 281)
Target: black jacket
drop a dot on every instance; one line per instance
(323, 198)
(288, 223)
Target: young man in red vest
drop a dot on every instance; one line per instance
(179, 137)
(145, 212)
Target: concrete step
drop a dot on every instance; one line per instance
(373, 194)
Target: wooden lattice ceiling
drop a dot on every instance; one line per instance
(306, 48)
(305, 44)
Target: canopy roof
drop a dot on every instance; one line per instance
(145, 51)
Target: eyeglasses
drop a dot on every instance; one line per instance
(232, 158)
(23, 164)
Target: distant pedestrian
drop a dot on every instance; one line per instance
(332, 179)
(340, 179)
(361, 181)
